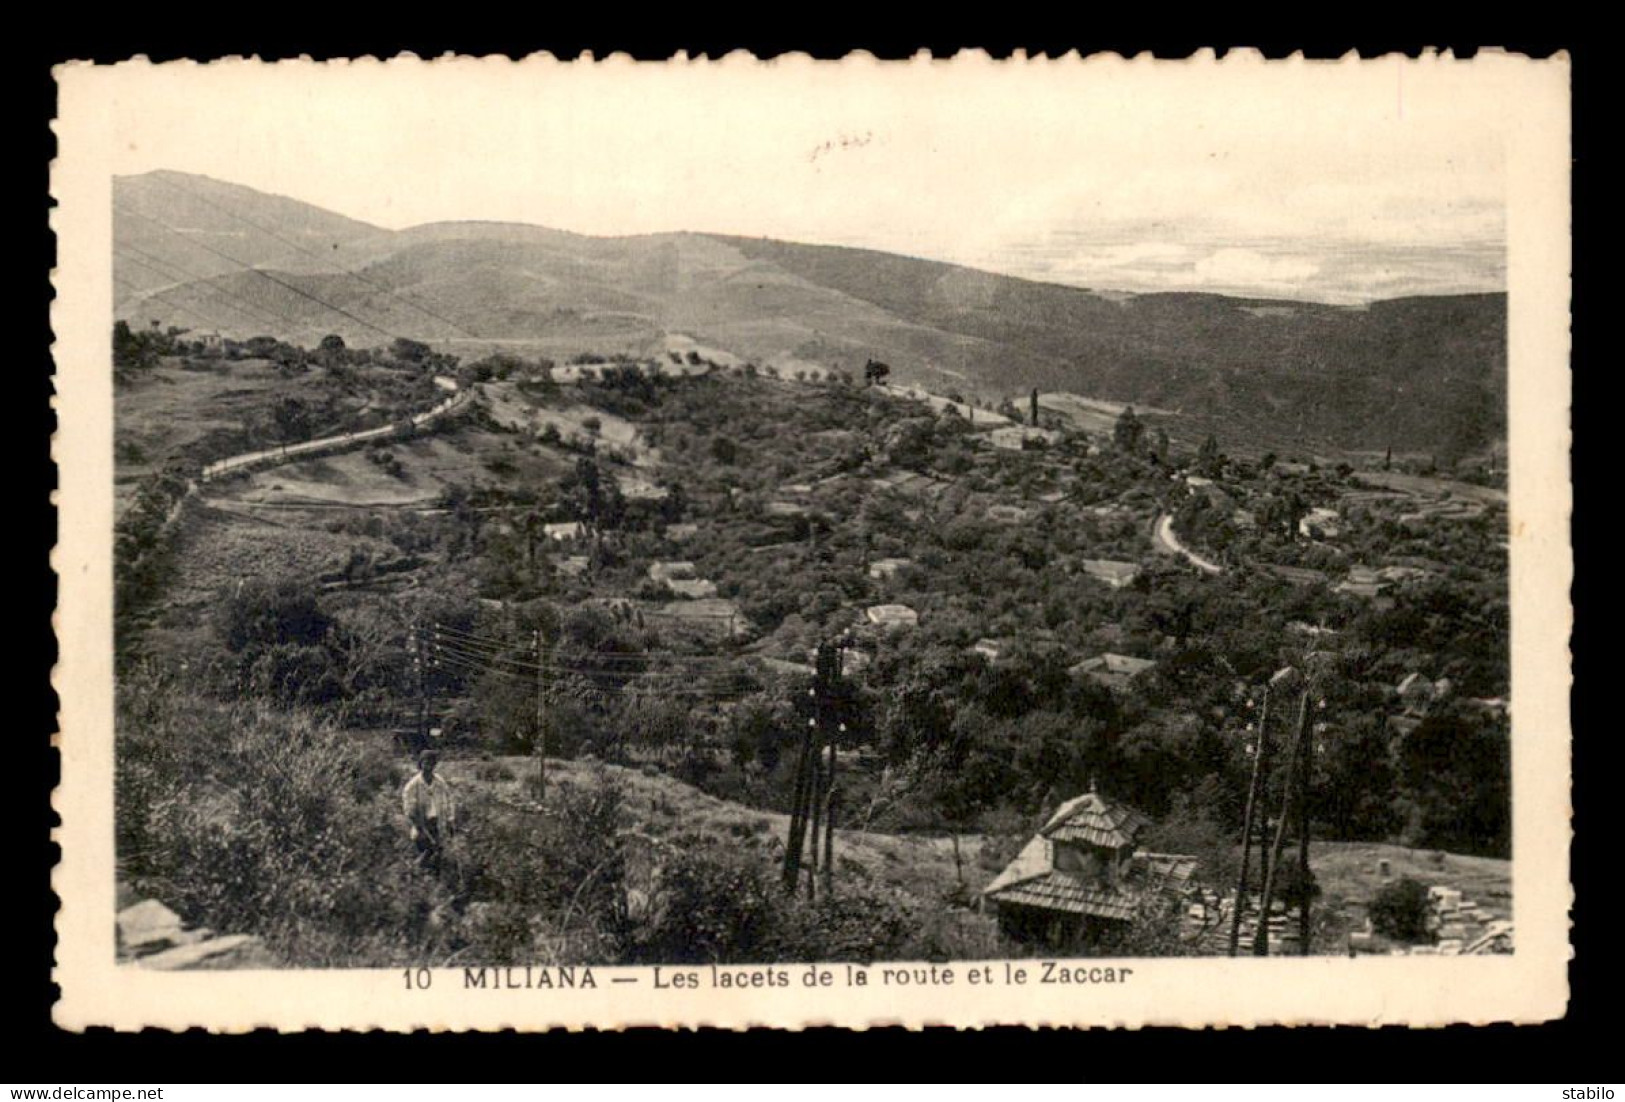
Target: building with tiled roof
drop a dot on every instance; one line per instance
(1115, 671)
(1081, 873)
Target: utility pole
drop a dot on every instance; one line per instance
(414, 647)
(1261, 939)
(1304, 771)
(1261, 742)
(816, 802)
(809, 805)
(541, 719)
(798, 804)
(829, 818)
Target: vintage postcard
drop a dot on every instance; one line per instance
(598, 543)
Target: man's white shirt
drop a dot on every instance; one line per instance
(423, 800)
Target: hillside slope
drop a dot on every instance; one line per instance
(1420, 373)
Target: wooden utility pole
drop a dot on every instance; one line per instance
(816, 808)
(829, 819)
(1260, 751)
(798, 805)
(1261, 939)
(810, 805)
(415, 645)
(1305, 767)
(541, 719)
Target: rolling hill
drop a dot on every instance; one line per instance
(1415, 374)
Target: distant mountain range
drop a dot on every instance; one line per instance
(1415, 373)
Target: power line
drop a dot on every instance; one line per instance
(591, 664)
(301, 292)
(314, 255)
(715, 693)
(497, 644)
(159, 294)
(182, 277)
(586, 670)
(245, 308)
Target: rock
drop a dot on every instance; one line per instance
(215, 952)
(147, 927)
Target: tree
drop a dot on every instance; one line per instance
(1400, 911)
(292, 418)
(133, 353)
(875, 372)
(724, 450)
(409, 351)
(1128, 431)
(591, 496)
(1209, 461)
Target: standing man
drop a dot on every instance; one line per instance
(430, 810)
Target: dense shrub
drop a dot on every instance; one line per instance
(1400, 911)
(261, 822)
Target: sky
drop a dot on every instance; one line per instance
(1310, 180)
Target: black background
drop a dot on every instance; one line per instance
(1570, 1051)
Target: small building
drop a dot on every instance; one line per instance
(1363, 581)
(692, 588)
(1320, 523)
(882, 569)
(571, 566)
(638, 489)
(1115, 671)
(1008, 514)
(565, 531)
(1398, 575)
(669, 572)
(681, 532)
(891, 617)
(1016, 438)
(1297, 575)
(990, 649)
(1081, 874)
(1303, 627)
(1114, 573)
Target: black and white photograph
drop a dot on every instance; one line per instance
(667, 537)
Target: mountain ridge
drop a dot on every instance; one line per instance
(1418, 372)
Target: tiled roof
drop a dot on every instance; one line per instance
(1094, 820)
(1032, 880)
(1120, 665)
(1061, 891)
(1037, 858)
(1170, 869)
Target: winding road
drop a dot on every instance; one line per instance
(1168, 540)
(273, 456)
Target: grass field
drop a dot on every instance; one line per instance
(1348, 872)
(668, 810)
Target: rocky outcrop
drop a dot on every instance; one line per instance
(153, 936)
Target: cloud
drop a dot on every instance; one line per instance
(1245, 267)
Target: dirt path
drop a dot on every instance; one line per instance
(1168, 540)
